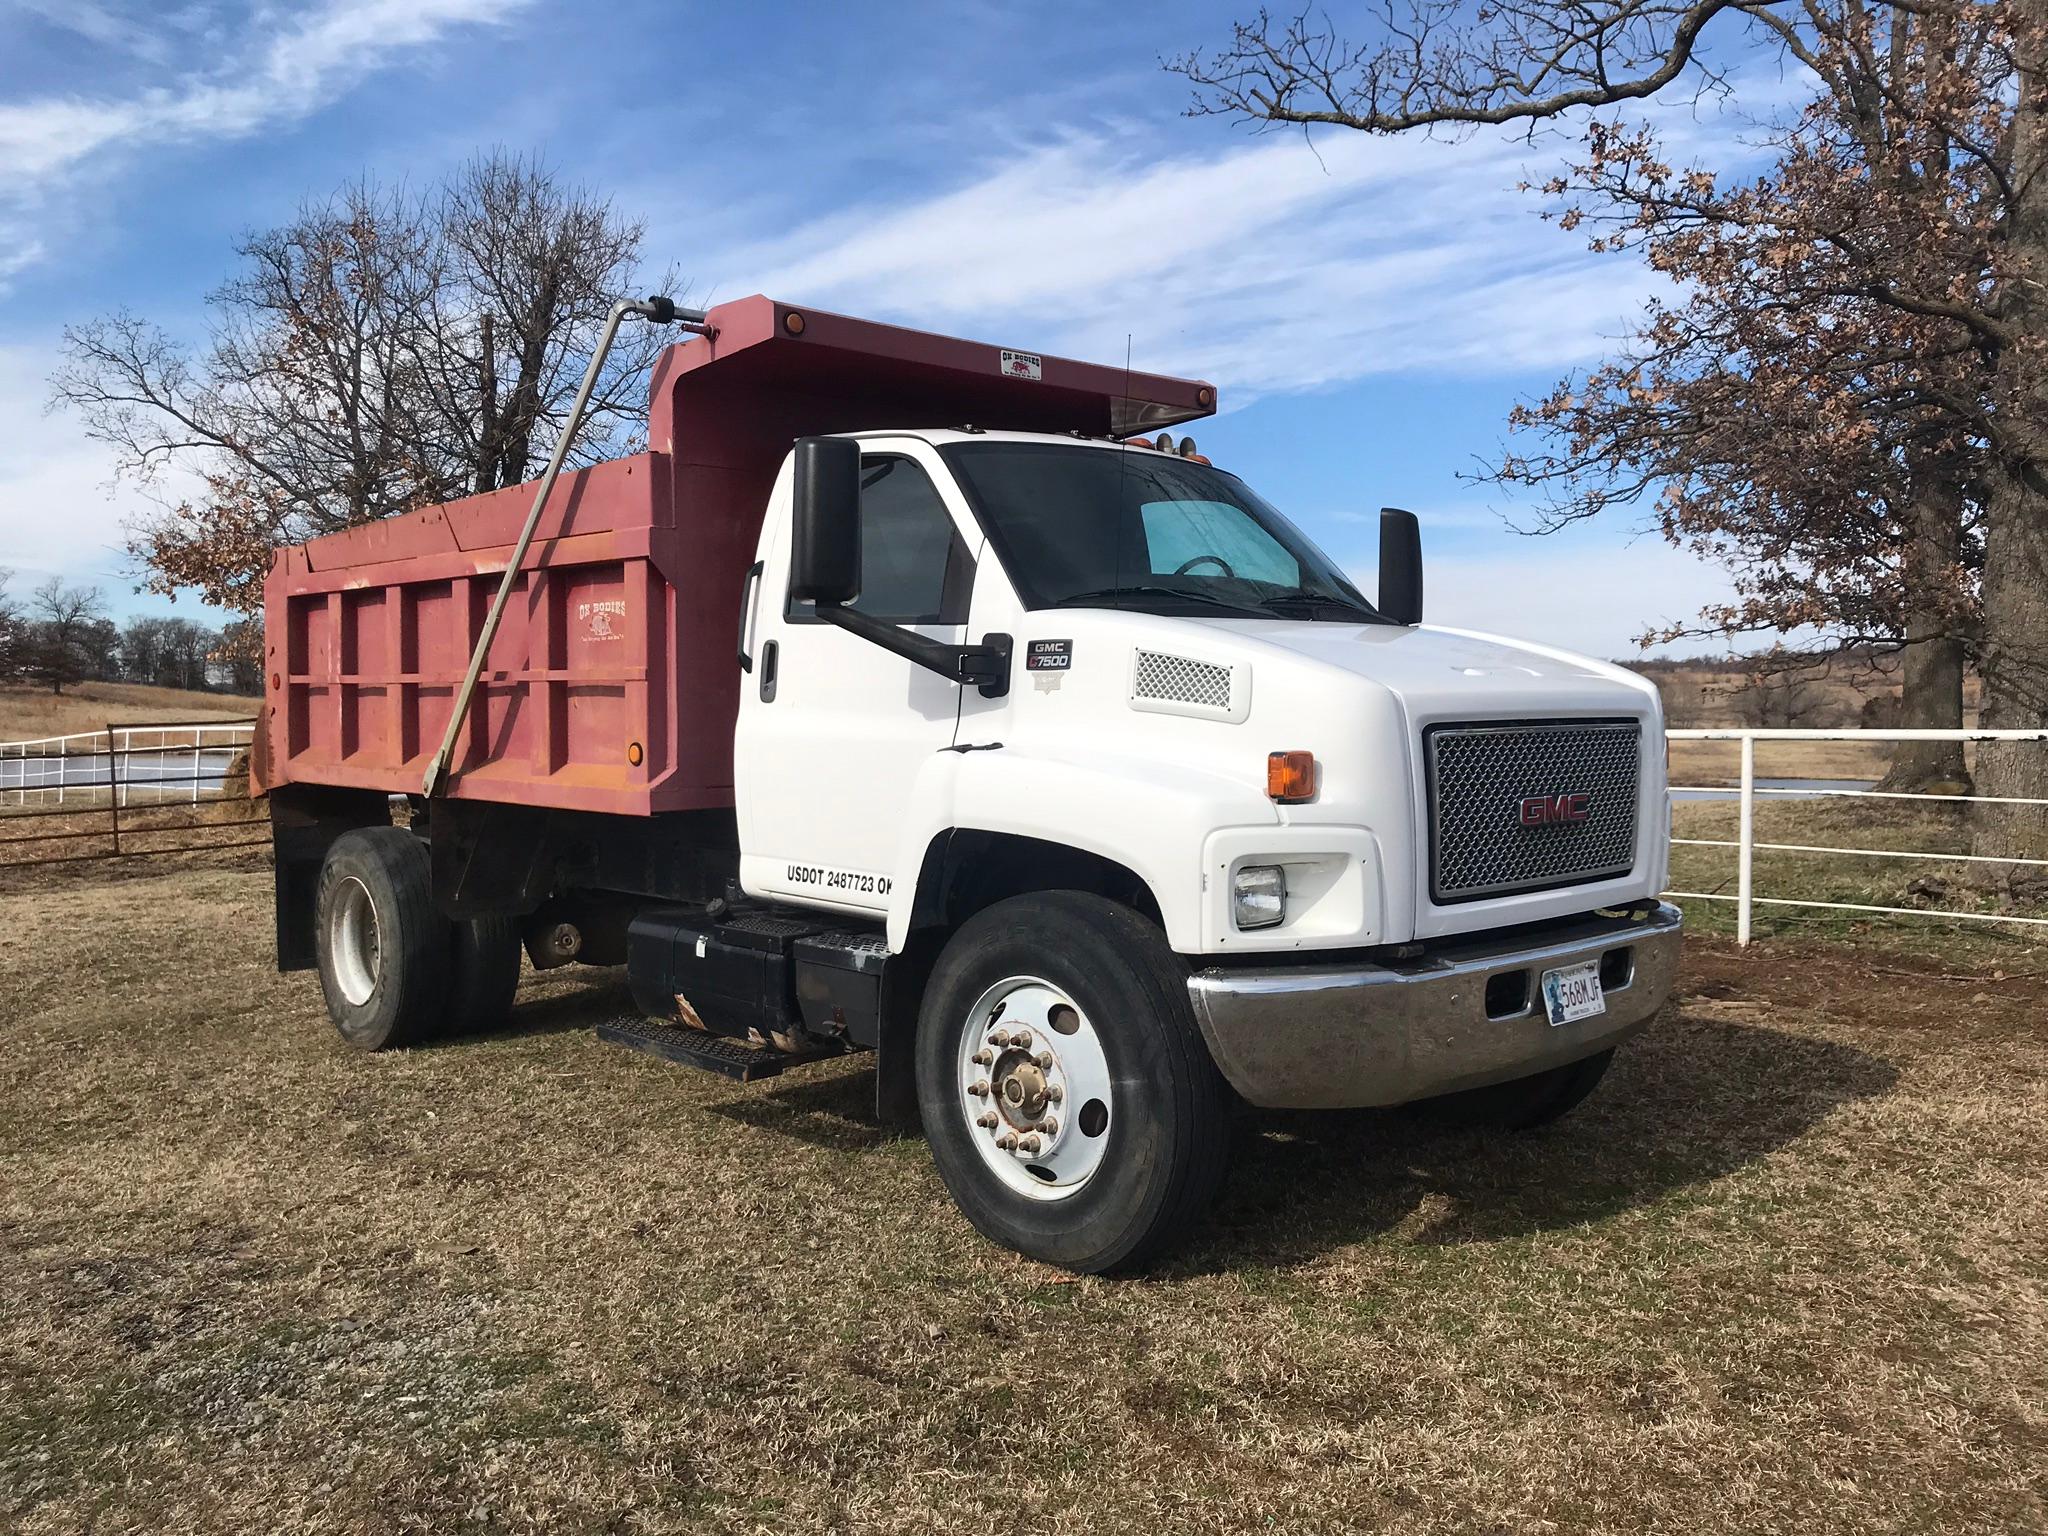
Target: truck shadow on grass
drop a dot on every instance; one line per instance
(832, 1108)
(1692, 1100)
(582, 1004)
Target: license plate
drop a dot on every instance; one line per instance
(1572, 992)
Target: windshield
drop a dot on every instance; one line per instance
(1083, 527)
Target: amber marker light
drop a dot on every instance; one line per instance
(1291, 777)
(633, 753)
(793, 322)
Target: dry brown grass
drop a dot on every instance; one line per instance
(30, 712)
(53, 845)
(1784, 1273)
(1720, 762)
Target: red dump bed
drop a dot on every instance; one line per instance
(612, 683)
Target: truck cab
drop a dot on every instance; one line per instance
(1071, 777)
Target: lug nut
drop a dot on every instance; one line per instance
(1007, 1143)
(1050, 1126)
(1055, 1092)
(980, 1089)
(984, 1056)
(986, 1122)
(1022, 1039)
(1044, 1060)
(1029, 1146)
(999, 1039)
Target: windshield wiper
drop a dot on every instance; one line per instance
(1281, 602)
(1175, 594)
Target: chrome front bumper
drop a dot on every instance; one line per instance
(1335, 1037)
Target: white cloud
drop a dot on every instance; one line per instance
(1571, 590)
(59, 516)
(283, 74)
(1263, 265)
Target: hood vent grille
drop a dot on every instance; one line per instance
(1166, 684)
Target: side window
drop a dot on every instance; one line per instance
(914, 568)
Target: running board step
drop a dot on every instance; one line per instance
(715, 1053)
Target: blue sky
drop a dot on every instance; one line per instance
(1020, 173)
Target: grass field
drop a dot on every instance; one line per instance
(1720, 762)
(1783, 1273)
(1927, 884)
(27, 712)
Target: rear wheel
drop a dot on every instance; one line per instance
(1071, 1106)
(483, 971)
(383, 949)
(1525, 1103)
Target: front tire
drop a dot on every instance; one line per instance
(1069, 1100)
(383, 948)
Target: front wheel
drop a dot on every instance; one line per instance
(1071, 1106)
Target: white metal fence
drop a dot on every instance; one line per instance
(1746, 846)
(129, 764)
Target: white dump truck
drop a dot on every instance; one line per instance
(1046, 760)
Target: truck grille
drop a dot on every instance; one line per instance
(1530, 805)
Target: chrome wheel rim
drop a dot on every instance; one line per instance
(1034, 1088)
(355, 942)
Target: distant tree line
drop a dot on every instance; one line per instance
(58, 635)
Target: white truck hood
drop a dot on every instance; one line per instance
(1444, 673)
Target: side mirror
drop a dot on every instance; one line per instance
(1400, 566)
(824, 560)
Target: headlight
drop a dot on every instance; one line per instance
(1258, 896)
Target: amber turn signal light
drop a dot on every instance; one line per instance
(633, 753)
(793, 322)
(1291, 777)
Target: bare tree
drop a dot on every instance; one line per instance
(380, 352)
(533, 268)
(61, 616)
(10, 629)
(239, 646)
(142, 650)
(1777, 691)
(186, 649)
(99, 648)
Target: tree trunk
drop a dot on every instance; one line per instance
(487, 414)
(522, 409)
(2014, 655)
(1931, 685)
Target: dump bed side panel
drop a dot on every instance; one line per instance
(368, 633)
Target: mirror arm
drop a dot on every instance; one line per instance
(986, 665)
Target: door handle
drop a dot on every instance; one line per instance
(769, 653)
(747, 586)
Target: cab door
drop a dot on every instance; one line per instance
(832, 728)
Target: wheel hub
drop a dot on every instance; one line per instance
(1026, 1055)
(356, 942)
(1022, 1090)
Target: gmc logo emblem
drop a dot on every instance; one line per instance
(1553, 810)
